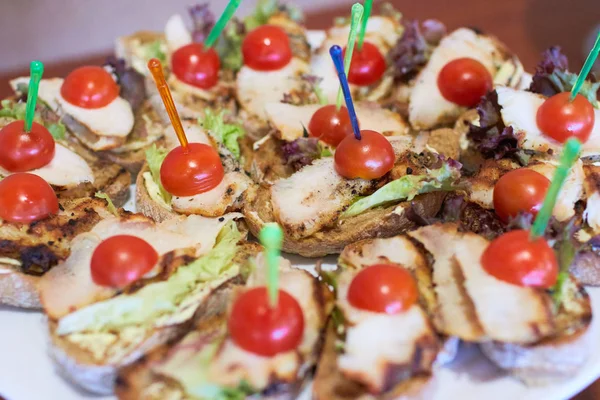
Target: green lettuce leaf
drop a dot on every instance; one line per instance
(10, 109)
(57, 130)
(155, 158)
(227, 134)
(155, 50)
(160, 298)
(409, 186)
(229, 46)
(111, 207)
(566, 252)
(263, 11)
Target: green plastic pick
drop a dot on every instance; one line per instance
(365, 20)
(36, 70)
(357, 13)
(587, 66)
(215, 32)
(570, 153)
(271, 237)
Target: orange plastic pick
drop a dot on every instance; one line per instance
(161, 84)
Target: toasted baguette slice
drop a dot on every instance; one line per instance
(29, 251)
(78, 365)
(377, 222)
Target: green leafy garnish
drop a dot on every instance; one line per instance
(155, 158)
(229, 46)
(155, 50)
(566, 80)
(111, 207)
(324, 150)
(57, 131)
(227, 134)
(264, 10)
(10, 109)
(566, 252)
(409, 186)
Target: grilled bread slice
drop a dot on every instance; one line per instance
(310, 205)
(91, 331)
(170, 370)
(28, 251)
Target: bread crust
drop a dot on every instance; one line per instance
(19, 290)
(375, 223)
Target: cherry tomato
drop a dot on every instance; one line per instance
(560, 118)
(196, 66)
(368, 65)
(464, 81)
(121, 260)
(26, 198)
(371, 157)
(89, 87)
(515, 258)
(267, 48)
(520, 190)
(330, 124)
(191, 172)
(383, 288)
(21, 151)
(260, 329)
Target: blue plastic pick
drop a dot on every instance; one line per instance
(336, 54)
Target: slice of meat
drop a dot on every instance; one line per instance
(194, 232)
(256, 89)
(519, 110)
(290, 120)
(456, 314)
(428, 108)
(313, 197)
(216, 201)
(405, 343)
(591, 187)
(507, 313)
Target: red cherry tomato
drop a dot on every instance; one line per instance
(26, 198)
(515, 258)
(330, 124)
(464, 81)
(260, 329)
(368, 65)
(383, 288)
(121, 260)
(520, 190)
(267, 48)
(561, 119)
(20, 151)
(193, 172)
(371, 157)
(196, 66)
(89, 87)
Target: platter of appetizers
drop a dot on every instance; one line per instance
(243, 208)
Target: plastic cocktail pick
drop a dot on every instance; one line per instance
(587, 66)
(271, 237)
(570, 153)
(336, 54)
(161, 84)
(357, 13)
(36, 70)
(215, 32)
(365, 20)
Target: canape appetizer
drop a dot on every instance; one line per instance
(264, 347)
(199, 170)
(130, 285)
